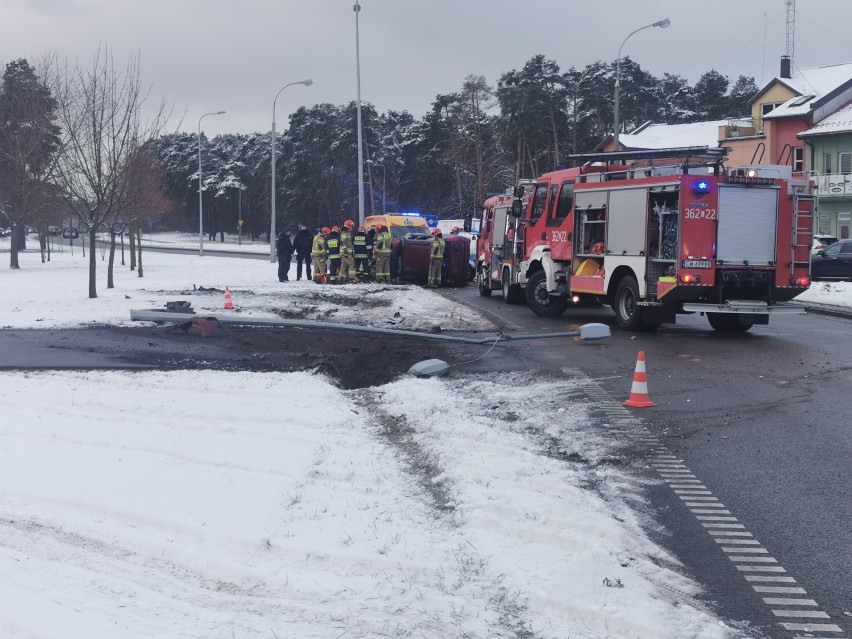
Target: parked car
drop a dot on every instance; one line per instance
(70, 233)
(54, 230)
(821, 241)
(4, 232)
(833, 262)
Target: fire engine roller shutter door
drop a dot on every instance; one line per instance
(626, 220)
(748, 218)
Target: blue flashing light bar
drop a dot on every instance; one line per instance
(701, 187)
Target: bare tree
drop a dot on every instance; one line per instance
(100, 110)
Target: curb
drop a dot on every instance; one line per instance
(825, 309)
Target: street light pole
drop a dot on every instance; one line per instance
(665, 22)
(307, 83)
(200, 192)
(384, 175)
(357, 9)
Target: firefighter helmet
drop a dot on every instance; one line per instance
(455, 229)
(436, 232)
(335, 229)
(326, 230)
(379, 228)
(349, 224)
(362, 229)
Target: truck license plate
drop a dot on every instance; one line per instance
(696, 264)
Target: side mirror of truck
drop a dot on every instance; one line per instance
(468, 223)
(517, 208)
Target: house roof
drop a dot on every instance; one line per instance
(820, 83)
(838, 122)
(665, 136)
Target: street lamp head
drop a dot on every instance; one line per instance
(664, 23)
(307, 83)
(219, 112)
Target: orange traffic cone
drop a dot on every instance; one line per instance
(228, 302)
(639, 390)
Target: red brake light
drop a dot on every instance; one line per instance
(690, 279)
(803, 281)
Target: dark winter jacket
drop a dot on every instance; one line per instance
(284, 246)
(332, 241)
(302, 242)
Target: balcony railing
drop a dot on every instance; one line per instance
(743, 127)
(834, 185)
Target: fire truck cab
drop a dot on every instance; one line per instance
(656, 241)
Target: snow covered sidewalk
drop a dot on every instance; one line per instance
(145, 505)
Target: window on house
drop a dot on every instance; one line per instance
(769, 106)
(845, 163)
(826, 163)
(798, 159)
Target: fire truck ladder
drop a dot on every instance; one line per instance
(685, 157)
(803, 228)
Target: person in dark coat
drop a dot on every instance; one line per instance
(284, 247)
(302, 243)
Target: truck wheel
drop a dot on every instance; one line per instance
(727, 323)
(628, 313)
(540, 301)
(512, 293)
(482, 280)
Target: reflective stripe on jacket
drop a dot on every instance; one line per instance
(318, 249)
(345, 243)
(438, 249)
(359, 244)
(383, 242)
(333, 244)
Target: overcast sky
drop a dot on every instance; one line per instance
(210, 55)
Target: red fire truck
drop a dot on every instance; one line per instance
(685, 235)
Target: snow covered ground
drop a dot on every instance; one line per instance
(237, 505)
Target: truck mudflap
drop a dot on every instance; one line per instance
(748, 307)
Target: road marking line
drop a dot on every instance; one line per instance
(813, 627)
(780, 590)
(804, 614)
(746, 553)
(753, 559)
(788, 601)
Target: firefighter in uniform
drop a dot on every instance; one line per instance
(319, 252)
(332, 243)
(359, 245)
(436, 259)
(382, 251)
(371, 242)
(347, 250)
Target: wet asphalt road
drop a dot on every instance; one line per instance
(763, 419)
